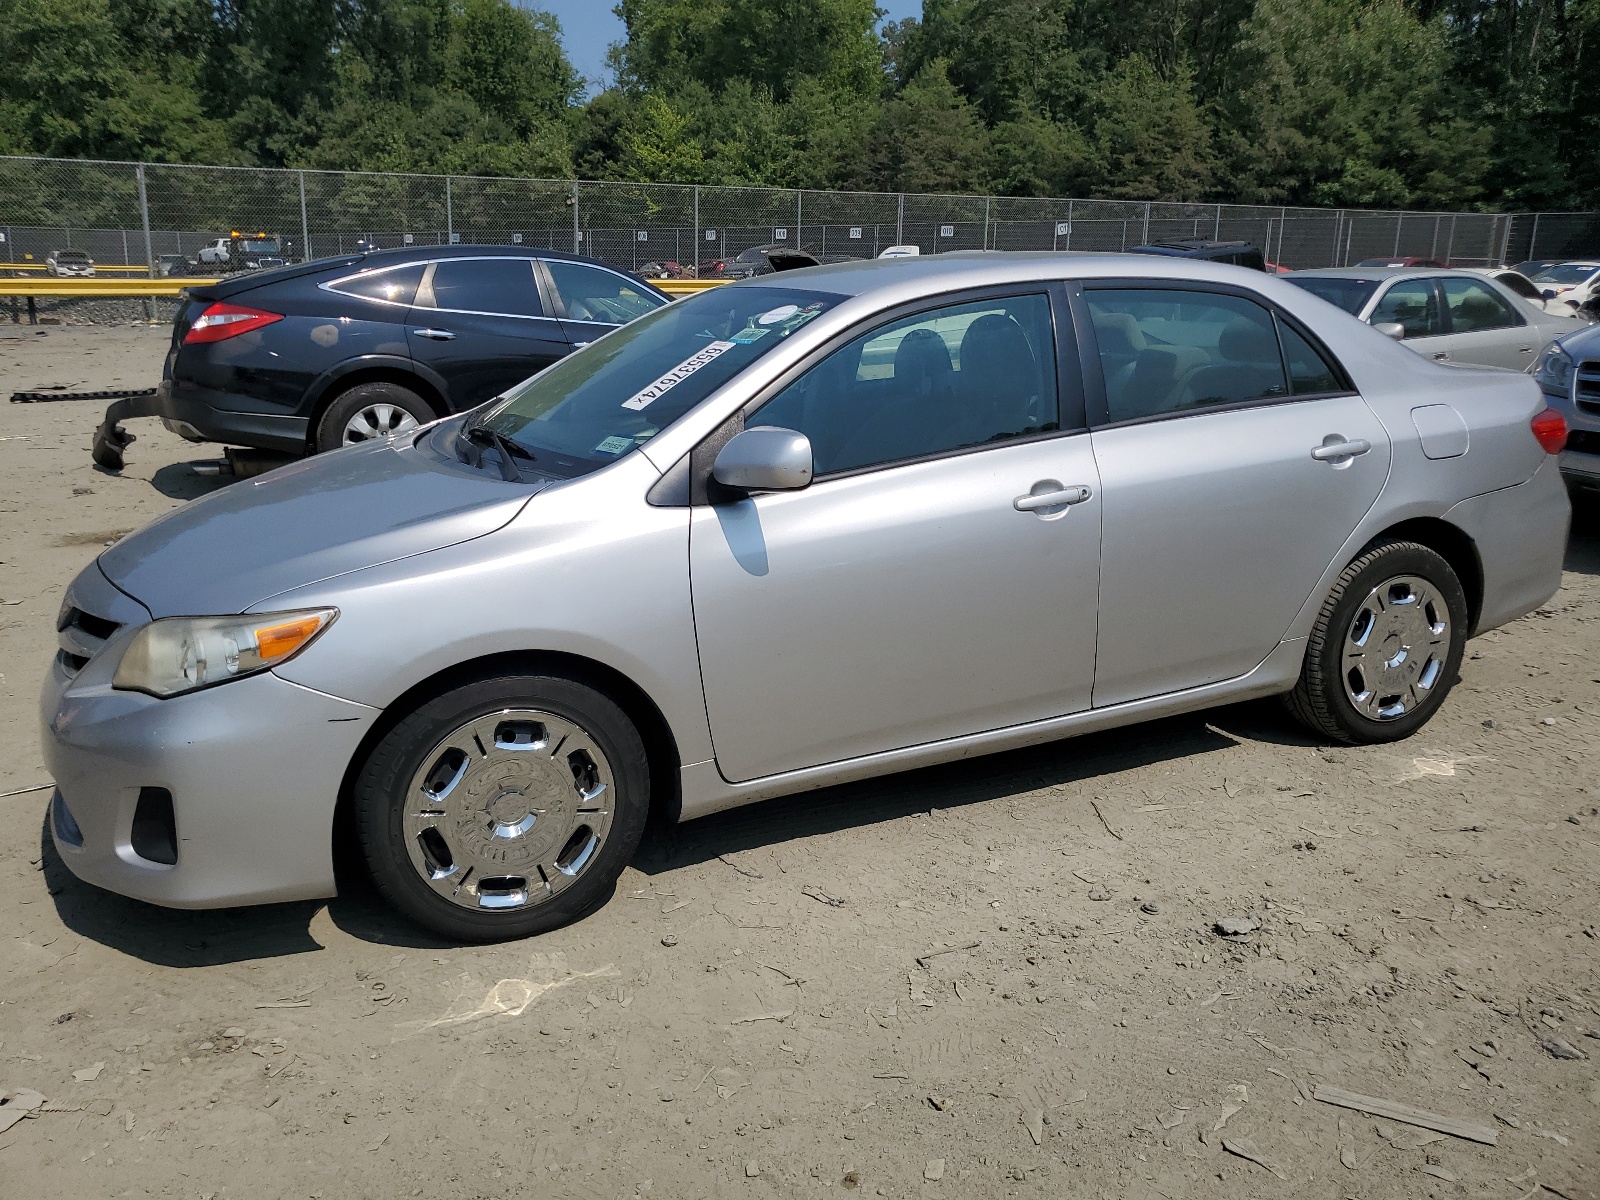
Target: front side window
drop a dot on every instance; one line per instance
(500, 286)
(1475, 306)
(590, 294)
(1412, 303)
(1167, 351)
(1348, 293)
(965, 375)
(596, 405)
(1520, 284)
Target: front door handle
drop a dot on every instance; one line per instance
(1441, 356)
(1335, 451)
(1056, 499)
(435, 335)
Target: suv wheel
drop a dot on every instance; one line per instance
(1386, 647)
(504, 808)
(370, 411)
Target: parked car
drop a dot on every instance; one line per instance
(1401, 262)
(1241, 254)
(662, 269)
(782, 534)
(1536, 266)
(1573, 283)
(312, 357)
(170, 266)
(1515, 281)
(764, 260)
(1568, 372)
(69, 264)
(902, 251)
(1448, 316)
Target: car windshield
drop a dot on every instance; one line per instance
(594, 406)
(1349, 294)
(262, 245)
(1568, 273)
(754, 254)
(72, 255)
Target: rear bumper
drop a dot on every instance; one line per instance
(208, 415)
(1581, 468)
(253, 768)
(1521, 536)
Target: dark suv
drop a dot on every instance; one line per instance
(1241, 254)
(318, 355)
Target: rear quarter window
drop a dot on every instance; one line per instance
(397, 285)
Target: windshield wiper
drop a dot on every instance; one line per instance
(480, 436)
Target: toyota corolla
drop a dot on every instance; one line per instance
(783, 534)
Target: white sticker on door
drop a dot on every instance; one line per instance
(647, 396)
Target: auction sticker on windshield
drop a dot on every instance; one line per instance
(649, 395)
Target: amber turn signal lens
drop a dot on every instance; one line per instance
(279, 641)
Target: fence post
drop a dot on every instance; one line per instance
(900, 222)
(799, 212)
(577, 231)
(1399, 222)
(1068, 246)
(1144, 238)
(144, 220)
(1534, 240)
(449, 214)
(695, 265)
(1283, 221)
(1505, 238)
(986, 222)
(1216, 230)
(1338, 233)
(305, 226)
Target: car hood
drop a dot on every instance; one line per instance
(305, 522)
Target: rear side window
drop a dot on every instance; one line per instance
(398, 285)
(499, 286)
(590, 294)
(1169, 351)
(1520, 284)
(1475, 306)
(1412, 303)
(1310, 373)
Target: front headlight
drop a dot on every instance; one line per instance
(1553, 371)
(180, 654)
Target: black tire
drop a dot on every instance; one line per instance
(1324, 698)
(383, 788)
(330, 431)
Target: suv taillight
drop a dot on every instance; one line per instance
(1549, 430)
(221, 321)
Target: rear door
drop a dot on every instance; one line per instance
(1217, 520)
(481, 324)
(1484, 328)
(592, 301)
(1414, 303)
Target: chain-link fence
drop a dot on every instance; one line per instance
(131, 214)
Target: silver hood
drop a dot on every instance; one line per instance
(306, 522)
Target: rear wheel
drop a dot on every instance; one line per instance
(1386, 647)
(504, 808)
(370, 411)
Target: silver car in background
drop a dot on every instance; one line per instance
(1568, 373)
(780, 535)
(1448, 316)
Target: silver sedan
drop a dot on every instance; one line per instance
(1448, 316)
(786, 533)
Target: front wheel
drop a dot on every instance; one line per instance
(1386, 646)
(504, 808)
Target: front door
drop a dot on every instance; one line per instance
(1226, 493)
(915, 591)
(480, 324)
(595, 300)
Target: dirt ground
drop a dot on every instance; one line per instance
(748, 1015)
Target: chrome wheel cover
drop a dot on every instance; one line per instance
(378, 421)
(508, 810)
(1395, 648)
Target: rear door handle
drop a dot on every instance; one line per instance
(435, 335)
(1333, 451)
(1056, 499)
(1441, 356)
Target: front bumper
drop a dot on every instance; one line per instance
(254, 769)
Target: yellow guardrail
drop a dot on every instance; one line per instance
(97, 287)
(686, 287)
(123, 268)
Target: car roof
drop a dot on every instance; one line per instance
(985, 268)
(405, 254)
(1371, 272)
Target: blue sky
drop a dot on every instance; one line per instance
(588, 27)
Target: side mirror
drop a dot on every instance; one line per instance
(1548, 293)
(765, 459)
(1391, 329)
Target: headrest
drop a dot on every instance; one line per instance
(922, 355)
(995, 348)
(1245, 341)
(1118, 333)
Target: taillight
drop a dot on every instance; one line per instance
(221, 321)
(1549, 430)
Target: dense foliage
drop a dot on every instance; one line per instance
(1417, 103)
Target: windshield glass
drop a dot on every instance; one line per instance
(262, 245)
(71, 255)
(594, 406)
(1349, 294)
(1568, 273)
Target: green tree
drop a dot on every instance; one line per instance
(929, 138)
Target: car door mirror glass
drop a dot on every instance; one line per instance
(1391, 329)
(768, 459)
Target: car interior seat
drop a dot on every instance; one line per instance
(1001, 388)
(917, 407)
(1250, 367)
